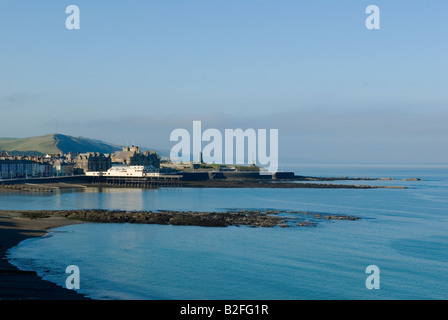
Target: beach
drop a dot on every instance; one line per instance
(24, 285)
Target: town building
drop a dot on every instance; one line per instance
(132, 156)
(127, 171)
(63, 168)
(92, 161)
(13, 169)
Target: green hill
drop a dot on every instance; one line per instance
(55, 143)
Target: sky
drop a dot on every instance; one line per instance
(136, 70)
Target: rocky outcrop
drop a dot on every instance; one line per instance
(235, 217)
(307, 224)
(187, 218)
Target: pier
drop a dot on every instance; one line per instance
(167, 181)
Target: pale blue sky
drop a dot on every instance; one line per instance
(136, 70)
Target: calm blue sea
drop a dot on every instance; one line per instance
(404, 232)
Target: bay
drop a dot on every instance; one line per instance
(402, 231)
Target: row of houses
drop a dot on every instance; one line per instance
(12, 167)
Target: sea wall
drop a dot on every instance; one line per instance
(233, 175)
(65, 179)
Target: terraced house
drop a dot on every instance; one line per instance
(11, 169)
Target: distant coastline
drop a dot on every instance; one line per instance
(278, 184)
(200, 180)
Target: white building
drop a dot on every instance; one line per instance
(126, 171)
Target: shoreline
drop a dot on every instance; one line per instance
(27, 285)
(288, 184)
(19, 225)
(213, 183)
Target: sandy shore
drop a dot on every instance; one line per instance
(22, 285)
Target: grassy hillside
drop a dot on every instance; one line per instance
(80, 144)
(55, 143)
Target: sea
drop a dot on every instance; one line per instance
(402, 235)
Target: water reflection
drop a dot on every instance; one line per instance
(76, 198)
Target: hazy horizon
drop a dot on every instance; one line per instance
(336, 91)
